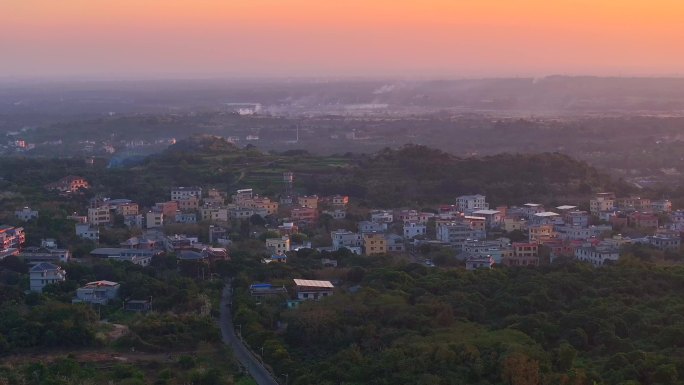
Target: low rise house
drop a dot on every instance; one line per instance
(68, 184)
(36, 255)
(85, 231)
(497, 249)
(142, 257)
(661, 206)
(138, 305)
(12, 237)
(492, 218)
(478, 262)
(339, 200)
(262, 290)
(310, 201)
(602, 202)
(642, 220)
(214, 213)
(597, 255)
(182, 217)
(44, 274)
(98, 292)
(336, 214)
(288, 228)
(306, 289)
(26, 214)
(382, 216)
(371, 227)
(395, 243)
(667, 242)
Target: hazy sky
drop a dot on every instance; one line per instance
(428, 38)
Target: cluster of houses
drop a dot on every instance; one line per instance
(466, 227)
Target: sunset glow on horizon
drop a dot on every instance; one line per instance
(457, 38)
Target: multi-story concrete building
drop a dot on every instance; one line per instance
(26, 214)
(382, 216)
(601, 203)
(374, 243)
(278, 245)
(668, 242)
(69, 183)
(371, 227)
(181, 193)
(44, 274)
(304, 214)
(11, 237)
(470, 203)
(345, 238)
(310, 201)
(154, 219)
(457, 233)
(85, 231)
(167, 208)
(127, 209)
(661, 206)
(414, 229)
(597, 255)
(188, 204)
(98, 292)
(99, 216)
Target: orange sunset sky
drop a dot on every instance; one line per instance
(428, 38)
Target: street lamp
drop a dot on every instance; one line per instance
(262, 353)
(286, 377)
(239, 330)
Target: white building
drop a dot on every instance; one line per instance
(98, 292)
(471, 203)
(85, 231)
(382, 216)
(457, 233)
(371, 227)
(182, 193)
(477, 263)
(26, 214)
(597, 255)
(414, 229)
(44, 274)
(345, 238)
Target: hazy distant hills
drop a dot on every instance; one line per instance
(549, 95)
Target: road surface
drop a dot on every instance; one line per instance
(246, 358)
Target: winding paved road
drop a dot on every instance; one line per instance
(246, 358)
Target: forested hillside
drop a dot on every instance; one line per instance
(410, 324)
